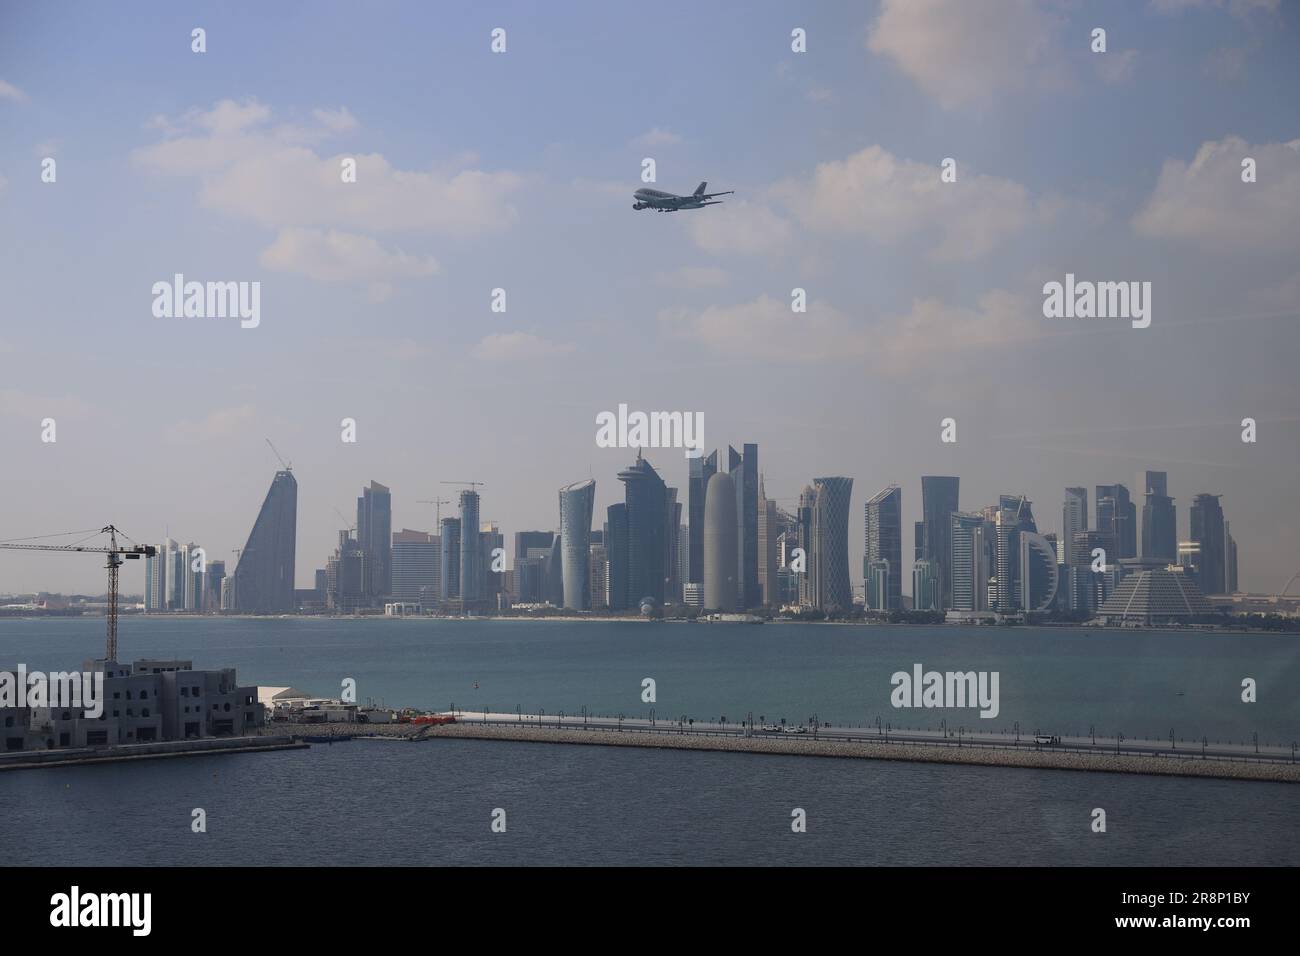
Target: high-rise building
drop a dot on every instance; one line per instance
(192, 577)
(1232, 557)
(925, 586)
(672, 570)
(599, 564)
(721, 571)
(375, 537)
(492, 561)
(1208, 532)
(829, 560)
(1117, 515)
(1159, 519)
(645, 496)
(1038, 573)
(884, 545)
(744, 473)
(527, 540)
(449, 552)
(616, 550)
(414, 565)
(471, 563)
(970, 563)
(155, 580)
(213, 578)
(346, 575)
(701, 470)
(264, 577)
(577, 503)
(1074, 518)
(804, 543)
(939, 496)
(1014, 516)
(769, 528)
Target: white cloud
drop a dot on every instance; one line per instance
(1239, 8)
(337, 121)
(1115, 66)
(878, 195)
(695, 277)
(657, 137)
(217, 424)
(10, 92)
(333, 255)
(933, 328)
(961, 52)
(266, 174)
(740, 227)
(518, 346)
(1206, 202)
(766, 329)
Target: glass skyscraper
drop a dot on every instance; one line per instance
(883, 521)
(264, 577)
(577, 501)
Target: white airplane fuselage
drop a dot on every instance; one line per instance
(662, 201)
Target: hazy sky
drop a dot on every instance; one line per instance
(479, 170)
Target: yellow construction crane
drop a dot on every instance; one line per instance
(437, 504)
(115, 557)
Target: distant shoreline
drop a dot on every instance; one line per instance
(608, 619)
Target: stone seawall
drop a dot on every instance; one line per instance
(980, 756)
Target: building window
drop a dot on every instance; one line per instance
(144, 712)
(144, 695)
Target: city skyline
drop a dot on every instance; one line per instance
(924, 299)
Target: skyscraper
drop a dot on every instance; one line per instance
(701, 470)
(415, 565)
(645, 496)
(768, 531)
(672, 569)
(1208, 532)
(884, 543)
(1159, 519)
(1038, 572)
(829, 564)
(1014, 516)
(721, 590)
(744, 473)
(471, 565)
(970, 566)
(939, 495)
(1231, 570)
(264, 577)
(616, 551)
(449, 554)
(1117, 515)
(1074, 517)
(375, 537)
(577, 502)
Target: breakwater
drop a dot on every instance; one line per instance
(1158, 765)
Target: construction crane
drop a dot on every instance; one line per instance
(471, 483)
(437, 504)
(115, 556)
(288, 465)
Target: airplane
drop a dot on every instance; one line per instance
(668, 202)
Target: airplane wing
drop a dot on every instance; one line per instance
(715, 203)
(729, 192)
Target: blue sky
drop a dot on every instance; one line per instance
(515, 170)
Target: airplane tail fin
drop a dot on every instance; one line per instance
(699, 190)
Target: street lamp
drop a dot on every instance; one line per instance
(584, 716)
(1172, 745)
(887, 729)
(960, 731)
(652, 718)
(1205, 742)
(1017, 733)
(1092, 731)
(559, 721)
(1119, 739)
(1256, 736)
(943, 727)
(877, 724)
